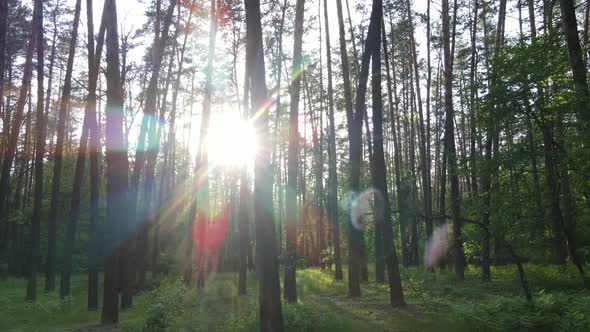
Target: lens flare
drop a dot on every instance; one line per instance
(436, 246)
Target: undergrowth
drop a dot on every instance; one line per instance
(435, 302)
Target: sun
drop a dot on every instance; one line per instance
(232, 141)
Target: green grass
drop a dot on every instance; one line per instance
(435, 302)
(50, 313)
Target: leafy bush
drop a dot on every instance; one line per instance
(548, 312)
(166, 305)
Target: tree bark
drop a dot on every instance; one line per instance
(39, 155)
(203, 192)
(134, 255)
(382, 208)
(94, 149)
(271, 318)
(3, 34)
(490, 150)
(349, 116)
(450, 143)
(355, 120)
(116, 171)
(57, 168)
(473, 101)
(570, 28)
(332, 162)
(10, 149)
(424, 163)
(290, 286)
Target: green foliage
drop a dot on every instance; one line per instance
(296, 317)
(165, 306)
(549, 312)
(435, 302)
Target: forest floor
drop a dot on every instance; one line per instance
(435, 302)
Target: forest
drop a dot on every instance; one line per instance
(293, 165)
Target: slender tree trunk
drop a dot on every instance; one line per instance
(487, 173)
(167, 179)
(245, 198)
(39, 154)
(5, 120)
(539, 211)
(353, 273)
(472, 100)
(586, 32)
(10, 150)
(579, 70)
(271, 318)
(355, 120)
(570, 28)
(244, 232)
(569, 208)
(332, 163)
(3, 34)
(203, 193)
(57, 168)
(94, 57)
(424, 164)
(290, 287)
(133, 257)
(319, 183)
(276, 152)
(117, 169)
(382, 207)
(450, 144)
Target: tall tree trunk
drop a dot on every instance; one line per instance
(133, 257)
(52, 62)
(472, 100)
(450, 143)
(167, 183)
(332, 163)
(10, 149)
(570, 28)
(579, 70)
(290, 286)
(271, 318)
(569, 208)
(94, 57)
(117, 169)
(203, 192)
(355, 120)
(243, 231)
(57, 168)
(89, 116)
(487, 172)
(3, 33)
(278, 142)
(245, 199)
(319, 171)
(539, 211)
(39, 154)
(382, 210)
(4, 227)
(353, 233)
(424, 164)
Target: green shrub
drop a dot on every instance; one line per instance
(166, 305)
(296, 317)
(548, 312)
